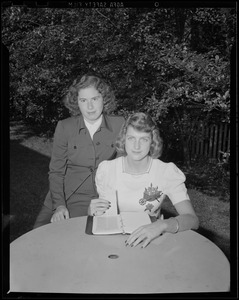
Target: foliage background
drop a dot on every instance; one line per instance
(173, 63)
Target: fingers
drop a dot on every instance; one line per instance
(135, 240)
(57, 217)
(96, 200)
(60, 214)
(98, 207)
(102, 207)
(144, 235)
(100, 203)
(146, 242)
(98, 213)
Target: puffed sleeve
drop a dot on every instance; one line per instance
(58, 166)
(102, 178)
(175, 186)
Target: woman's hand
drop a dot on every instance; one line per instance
(98, 207)
(61, 213)
(145, 234)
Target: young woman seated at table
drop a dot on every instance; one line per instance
(81, 142)
(143, 181)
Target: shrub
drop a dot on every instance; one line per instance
(210, 177)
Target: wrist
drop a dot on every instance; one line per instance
(60, 206)
(172, 225)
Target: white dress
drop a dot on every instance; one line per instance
(141, 192)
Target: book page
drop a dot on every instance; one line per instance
(133, 220)
(107, 225)
(111, 195)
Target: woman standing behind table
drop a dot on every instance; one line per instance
(81, 142)
(143, 181)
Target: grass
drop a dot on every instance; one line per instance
(29, 162)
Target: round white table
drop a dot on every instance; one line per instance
(62, 258)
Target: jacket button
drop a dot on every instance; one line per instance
(98, 143)
(75, 147)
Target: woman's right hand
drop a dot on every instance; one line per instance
(98, 207)
(61, 213)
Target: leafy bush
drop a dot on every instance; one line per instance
(172, 63)
(209, 176)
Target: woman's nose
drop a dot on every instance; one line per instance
(90, 104)
(137, 144)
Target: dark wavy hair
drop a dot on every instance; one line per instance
(71, 98)
(144, 123)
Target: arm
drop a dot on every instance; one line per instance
(186, 219)
(57, 174)
(98, 206)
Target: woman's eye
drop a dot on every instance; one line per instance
(96, 98)
(82, 100)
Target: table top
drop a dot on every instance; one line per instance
(62, 258)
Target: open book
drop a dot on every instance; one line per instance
(125, 222)
(113, 222)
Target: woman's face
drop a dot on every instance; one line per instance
(90, 102)
(137, 143)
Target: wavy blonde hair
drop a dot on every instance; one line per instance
(144, 123)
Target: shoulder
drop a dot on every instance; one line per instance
(115, 121)
(67, 125)
(157, 163)
(169, 169)
(71, 121)
(109, 164)
(114, 118)
(106, 170)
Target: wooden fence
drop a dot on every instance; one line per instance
(211, 141)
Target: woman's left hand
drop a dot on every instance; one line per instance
(145, 234)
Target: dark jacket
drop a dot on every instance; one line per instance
(75, 158)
